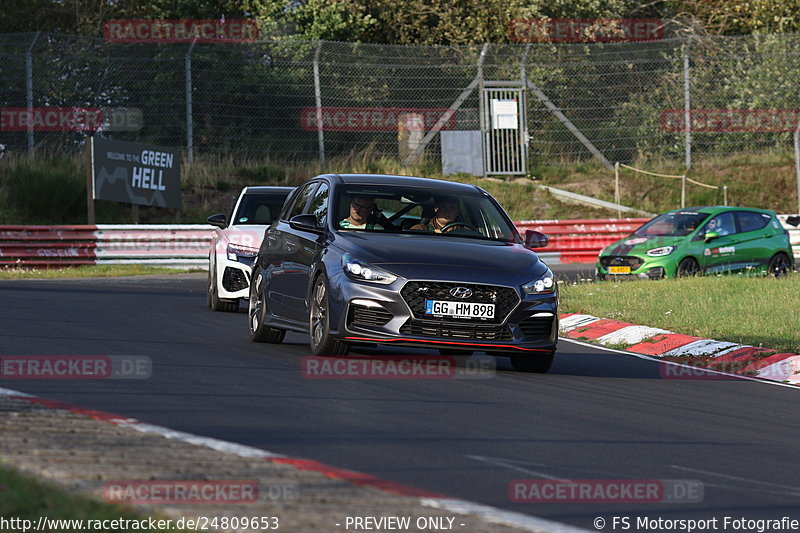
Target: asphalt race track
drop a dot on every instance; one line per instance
(598, 415)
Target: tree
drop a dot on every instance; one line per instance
(738, 17)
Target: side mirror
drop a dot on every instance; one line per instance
(218, 221)
(711, 235)
(535, 239)
(305, 223)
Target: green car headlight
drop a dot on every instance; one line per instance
(660, 252)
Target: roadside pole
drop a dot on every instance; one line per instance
(90, 180)
(797, 162)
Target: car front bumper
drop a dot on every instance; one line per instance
(648, 267)
(371, 313)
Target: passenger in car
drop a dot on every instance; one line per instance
(445, 212)
(361, 214)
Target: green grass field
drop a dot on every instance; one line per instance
(23, 497)
(759, 311)
(89, 271)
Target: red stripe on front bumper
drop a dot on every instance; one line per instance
(367, 339)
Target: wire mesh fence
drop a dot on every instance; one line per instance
(301, 100)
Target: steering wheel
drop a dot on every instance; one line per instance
(452, 225)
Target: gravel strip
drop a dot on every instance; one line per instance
(77, 451)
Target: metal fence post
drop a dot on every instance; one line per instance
(797, 162)
(189, 124)
(29, 90)
(318, 99)
(687, 104)
(683, 191)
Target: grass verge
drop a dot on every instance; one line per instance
(26, 498)
(759, 311)
(89, 271)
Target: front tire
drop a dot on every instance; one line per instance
(319, 327)
(257, 314)
(538, 364)
(780, 265)
(687, 267)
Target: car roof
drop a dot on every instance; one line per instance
(266, 189)
(403, 181)
(715, 209)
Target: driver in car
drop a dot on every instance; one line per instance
(362, 209)
(445, 212)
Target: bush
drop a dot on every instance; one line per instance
(48, 191)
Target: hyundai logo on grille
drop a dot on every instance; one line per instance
(460, 292)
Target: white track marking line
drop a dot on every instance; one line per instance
(795, 490)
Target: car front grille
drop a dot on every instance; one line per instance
(416, 292)
(456, 330)
(536, 327)
(234, 280)
(621, 260)
(362, 315)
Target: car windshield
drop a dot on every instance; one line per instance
(376, 208)
(259, 208)
(677, 224)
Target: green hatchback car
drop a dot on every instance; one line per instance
(700, 240)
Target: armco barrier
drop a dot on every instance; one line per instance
(57, 246)
(579, 241)
(571, 241)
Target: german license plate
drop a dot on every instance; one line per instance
(619, 270)
(458, 309)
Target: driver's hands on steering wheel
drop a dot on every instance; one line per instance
(451, 226)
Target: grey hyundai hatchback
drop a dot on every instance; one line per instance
(375, 259)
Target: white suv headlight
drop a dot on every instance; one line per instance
(235, 251)
(363, 271)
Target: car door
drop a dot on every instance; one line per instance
(721, 254)
(755, 247)
(278, 256)
(302, 248)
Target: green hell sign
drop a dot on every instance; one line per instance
(135, 173)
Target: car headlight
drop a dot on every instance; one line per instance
(660, 252)
(543, 285)
(363, 271)
(235, 251)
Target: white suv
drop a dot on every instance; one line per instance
(236, 244)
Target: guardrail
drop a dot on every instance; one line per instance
(186, 246)
(579, 241)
